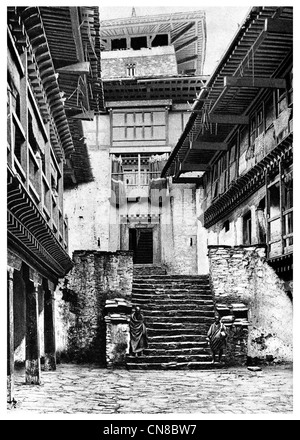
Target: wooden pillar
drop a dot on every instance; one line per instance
(13, 263)
(268, 233)
(49, 326)
(10, 336)
(281, 202)
(33, 357)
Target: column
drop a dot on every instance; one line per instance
(10, 335)
(49, 326)
(33, 357)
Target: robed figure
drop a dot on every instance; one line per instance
(217, 336)
(138, 332)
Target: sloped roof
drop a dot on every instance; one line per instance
(261, 45)
(187, 30)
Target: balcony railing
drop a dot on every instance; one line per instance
(135, 179)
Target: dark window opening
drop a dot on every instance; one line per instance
(247, 226)
(160, 203)
(261, 221)
(43, 163)
(17, 149)
(260, 122)
(130, 69)
(138, 43)
(32, 139)
(274, 194)
(226, 226)
(252, 130)
(119, 44)
(160, 40)
(15, 96)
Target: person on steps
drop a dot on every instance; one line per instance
(138, 333)
(217, 336)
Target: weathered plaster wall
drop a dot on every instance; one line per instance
(202, 237)
(88, 205)
(179, 230)
(96, 277)
(242, 275)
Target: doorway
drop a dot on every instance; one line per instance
(141, 243)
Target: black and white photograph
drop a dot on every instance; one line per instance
(149, 204)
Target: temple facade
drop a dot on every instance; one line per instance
(152, 69)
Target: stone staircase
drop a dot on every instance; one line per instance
(178, 311)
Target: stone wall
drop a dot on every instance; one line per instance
(148, 62)
(242, 275)
(95, 278)
(64, 319)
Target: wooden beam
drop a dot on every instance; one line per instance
(248, 81)
(186, 180)
(187, 43)
(124, 104)
(279, 26)
(182, 32)
(228, 119)
(214, 146)
(80, 68)
(84, 116)
(187, 59)
(79, 48)
(189, 167)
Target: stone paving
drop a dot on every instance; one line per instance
(88, 389)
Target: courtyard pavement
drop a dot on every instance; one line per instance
(88, 389)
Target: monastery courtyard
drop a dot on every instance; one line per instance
(90, 390)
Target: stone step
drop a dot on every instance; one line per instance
(178, 338)
(169, 307)
(168, 280)
(176, 277)
(168, 298)
(168, 334)
(177, 313)
(177, 352)
(174, 366)
(170, 302)
(165, 291)
(166, 346)
(170, 359)
(168, 286)
(161, 327)
(180, 319)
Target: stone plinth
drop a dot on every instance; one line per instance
(117, 332)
